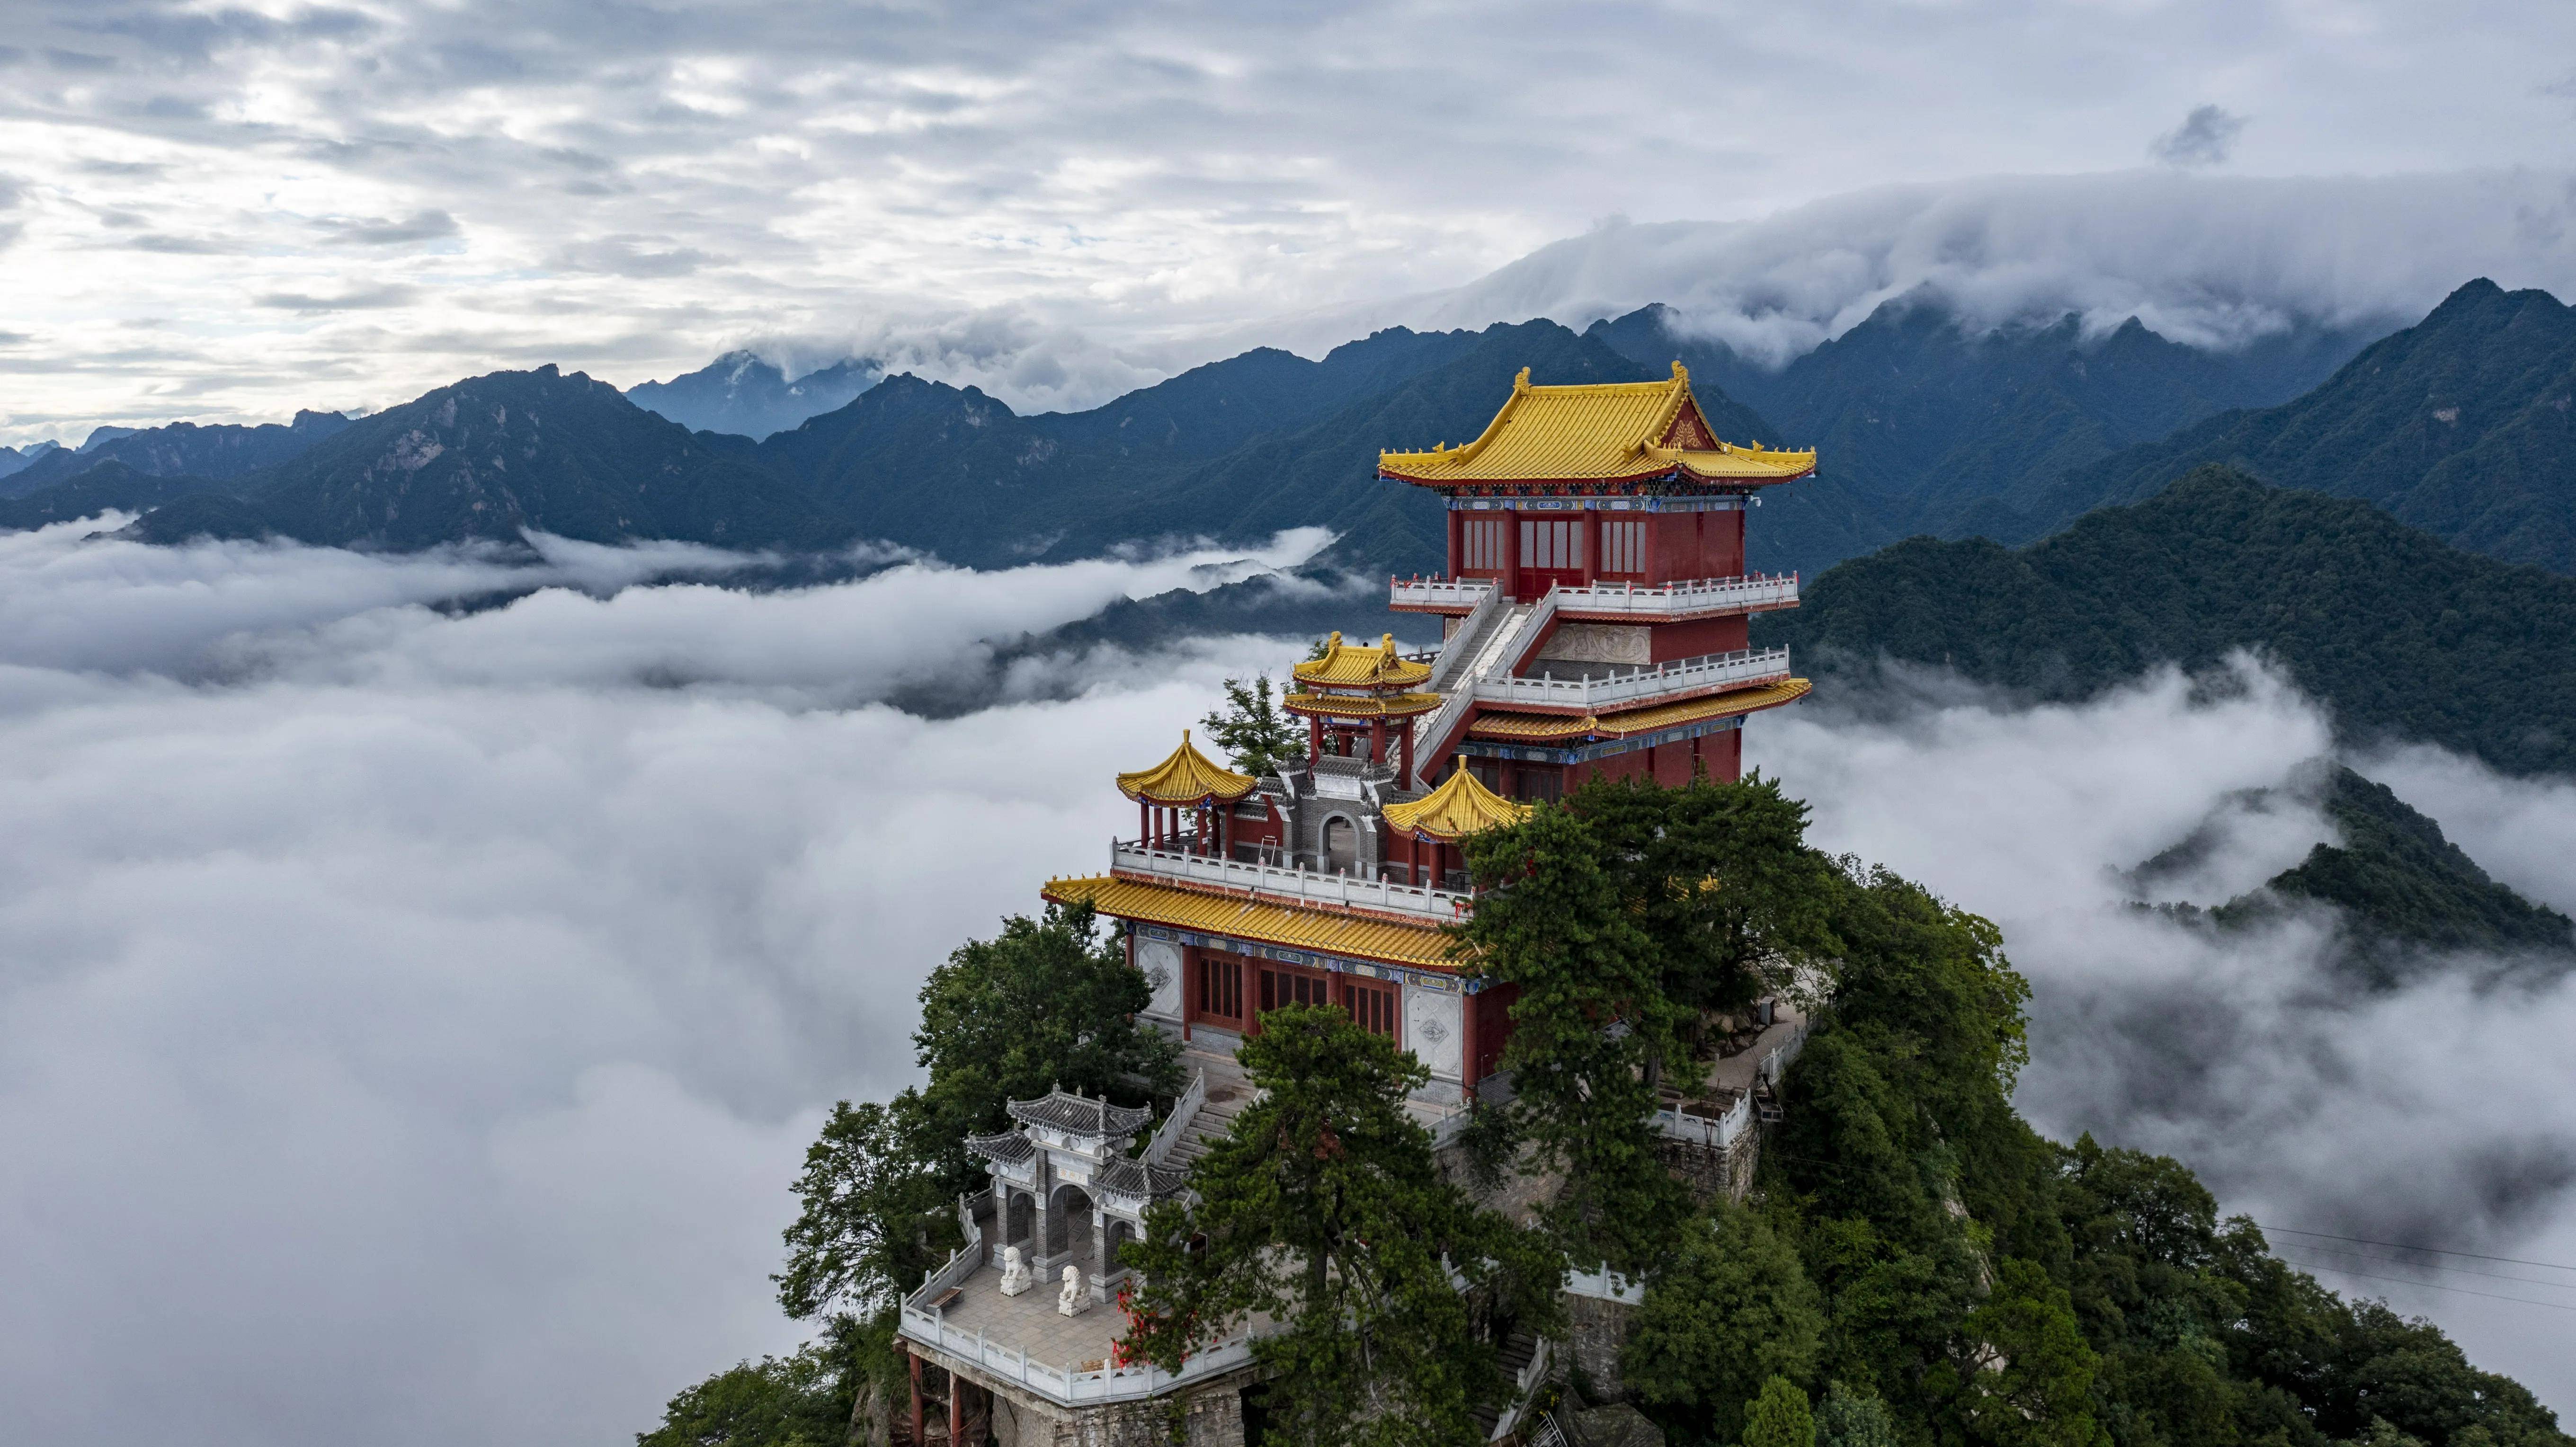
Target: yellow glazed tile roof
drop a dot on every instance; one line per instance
(1393, 705)
(1539, 727)
(1462, 805)
(1421, 945)
(1594, 432)
(1186, 777)
(1349, 665)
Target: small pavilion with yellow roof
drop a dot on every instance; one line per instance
(1185, 782)
(1461, 806)
(1360, 686)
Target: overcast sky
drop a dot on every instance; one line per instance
(218, 211)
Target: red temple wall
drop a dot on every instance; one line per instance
(1705, 635)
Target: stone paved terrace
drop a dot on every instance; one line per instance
(1030, 1323)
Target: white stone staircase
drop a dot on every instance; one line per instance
(1214, 1117)
(1494, 653)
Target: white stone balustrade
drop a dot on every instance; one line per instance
(1069, 1385)
(1286, 885)
(1686, 598)
(1634, 685)
(1699, 597)
(1419, 592)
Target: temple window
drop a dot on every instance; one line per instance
(1220, 986)
(1372, 1007)
(1623, 545)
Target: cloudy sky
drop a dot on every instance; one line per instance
(222, 211)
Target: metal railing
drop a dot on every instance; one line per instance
(1177, 1124)
(1286, 885)
(1748, 666)
(1698, 595)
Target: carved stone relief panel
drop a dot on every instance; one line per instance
(1434, 1029)
(1160, 962)
(1599, 643)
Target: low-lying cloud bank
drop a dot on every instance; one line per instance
(2214, 261)
(2435, 1114)
(413, 1018)
(412, 1015)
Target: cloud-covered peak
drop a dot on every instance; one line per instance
(2210, 261)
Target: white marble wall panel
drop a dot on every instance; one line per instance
(1434, 1030)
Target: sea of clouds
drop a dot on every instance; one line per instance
(2434, 1114)
(413, 1012)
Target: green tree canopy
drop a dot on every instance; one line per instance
(1590, 1020)
(2026, 1373)
(1322, 1210)
(1731, 1309)
(1047, 1002)
(1779, 1417)
(1256, 734)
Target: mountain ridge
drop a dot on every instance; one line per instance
(2460, 425)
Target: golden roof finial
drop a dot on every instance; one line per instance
(1521, 383)
(1681, 373)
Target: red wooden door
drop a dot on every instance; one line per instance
(1551, 554)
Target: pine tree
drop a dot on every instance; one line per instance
(1257, 737)
(1731, 1310)
(1779, 1417)
(1323, 1210)
(1590, 1021)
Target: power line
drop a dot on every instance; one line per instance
(2404, 1246)
(2435, 1266)
(2429, 1286)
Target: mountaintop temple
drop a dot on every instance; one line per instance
(1595, 625)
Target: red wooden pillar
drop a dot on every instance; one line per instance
(1467, 1042)
(1314, 737)
(1511, 555)
(1589, 545)
(1377, 740)
(1404, 742)
(915, 1358)
(1457, 540)
(1144, 823)
(956, 1410)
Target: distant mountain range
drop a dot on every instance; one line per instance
(1924, 419)
(2459, 424)
(741, 394)
(181, 449)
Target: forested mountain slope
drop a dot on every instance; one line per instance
(2463, 425)
(2401, 634)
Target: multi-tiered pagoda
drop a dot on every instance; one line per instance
(1597, 607)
